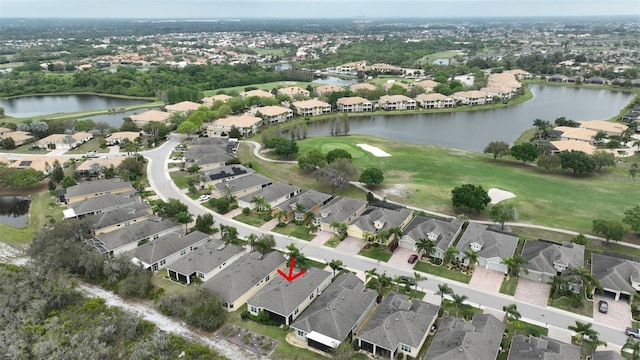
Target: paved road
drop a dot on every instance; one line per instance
(557, 320)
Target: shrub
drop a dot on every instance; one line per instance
(246, 211)
(281, 224)
(267, 217)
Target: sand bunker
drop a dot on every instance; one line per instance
(373, 150)
(498, 195)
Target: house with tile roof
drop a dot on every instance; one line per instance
(572, 145)
(396, 102)
(375, 220)
(427, 85)
(491, 246)
(472, 97)
(311, 107)
(328, 89)
(120, 136)
(85, 169)
(541, 348)
(244, 278)
(246, 124)
(64, 141)
(167, 249)
(40, 163)
(609, 127)
(209, 100)
(256, 93)
(310, 200)
(458, 339)
(284, 300)
(148, 116)
(340, 209)
(205, 262)
(294, 92)
(336, 314)
(619, 276)
(273, 114)
(442, 232)
(363, 86)
(182, 107)
(572, 133)
(273, 195)
(19, 137)
(435, 101)
(354, 104)
(546, 259)
(397, 326)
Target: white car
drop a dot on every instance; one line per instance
(204, 197)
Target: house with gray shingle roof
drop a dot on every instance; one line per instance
(244, 278)
(95, 188)
(205, 262)
(225, 173)
(490, 245)
(546, 259)
(542, 348)
(606, 355)
(95, 205)
(284, 301)
(340, 209)
(398, 326)
(616, 275)
(273, 195)
(458, 339)
(241, 186)
(125, 239)
(311, 200)
(442, 232)
(376, 219)
(167, 249)
(208, 161)
(120, 217)
(336, 313)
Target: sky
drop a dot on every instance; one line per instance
(300, 9)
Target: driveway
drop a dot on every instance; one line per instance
(618, 316)
(486, 280)
(532, 292)
(399, 259)
(321, 238)
(350, 246)
(269, 225)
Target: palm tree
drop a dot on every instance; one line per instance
(309, 217)
(449, 255)
(458, 301)
(259, 201)
(385, 281)
(444, 289)
(371, 273)
(382, 236)
(252, 239)
(589, 282)
(511, 311)
(558, 286)
(281, 215)
(367, 236)
(336, 226)
(515, 264)
(418, 277)
(582, 331)
(634, 346)
(472, 257)
(426, 247)
(335, 265)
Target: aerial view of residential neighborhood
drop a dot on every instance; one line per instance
(306, 179)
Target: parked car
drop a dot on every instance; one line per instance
(413, 258)
(204, 197)
(633, 332)
(603, 306)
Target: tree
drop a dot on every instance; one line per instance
(588, 280)
(449, 255)
(312, 160)
(265, 243)
(371, 176)
(472, 258)
(228, 233)
(205, 223)
(632, 217)
(548, 162)
(514, 264)
(472, 196)
(69, 141)
(371, 273)
(286, 148)
(131, 168)
(337, 175)
(458, 301)
(426, 247)
(57, 174)
(68, 182)
(187, 127)
(335, 265)
(96, 168)
(609, 229)
(417, 277)
(338, 154)
(183, 217)
(156, 129)
(444, 289)
(235, 133)
(542, 128)
(599, 137)
(102, 127)
(524, 152)
(558, 287)
(584, 333)
(501, 213)
(8, 143)
(511, 311)
(603, 158)
(633, 345)
(577, 161)
(129, 125)
(633, 171)
(85, 125)
(497, 148)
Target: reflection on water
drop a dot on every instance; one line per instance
(14, 211)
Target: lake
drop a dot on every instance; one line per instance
(27, 106)
(473, 130)
(333, 80)
(14, 211)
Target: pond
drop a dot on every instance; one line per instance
(115, 119)
(333, 80)
(27, 106)
(14, 211)
(473, 130)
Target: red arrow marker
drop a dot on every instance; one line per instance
(291, 277)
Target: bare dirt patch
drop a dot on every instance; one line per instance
(396, 190)
(247, 339)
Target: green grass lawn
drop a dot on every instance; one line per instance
(91, 145)
(265, 86)
(297, 231)
(170, 287)
(585, 309)
(181, 179)
(42, 204)
(27, 149)
(332, 242)
(509, 286)
(253, 219)
(441, 271)
(377, 253)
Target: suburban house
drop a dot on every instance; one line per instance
(100, 204)
(631, 116)
(246, 124)
(64, 141)
(610, 128)
(256, 93)
(340, 209)
(114, 219)
(571, 145)
(390, 83)
(310, 200)
(209, 100)
(223, 174)
(546, 259)
(294, 92)
(127, 238)
(351, 68)
(208, 162)
(460, 339)
(398, 326)
(336, 313)
(472, 97)
(241, 186)
(354, 104)
(504, 93)
(328, 89)
(19, 137)
(273, 114)
(518, 74)
(363, 86)
(557, 78)
(284, 301)
(244, 278)
(87, 167)
(148, 116)
(377, 219)
(273, 195)
(182, 107)
(94, 188)
(435, 101)
(427, 85)
(529, 347)
(40, 163)
(396, 102)
(312, 107)
(618, 276)
(491, 246)
(572, 133)
(120, 136)
(205, 262)
(596, 80)
(167, 249)
(442, 232)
